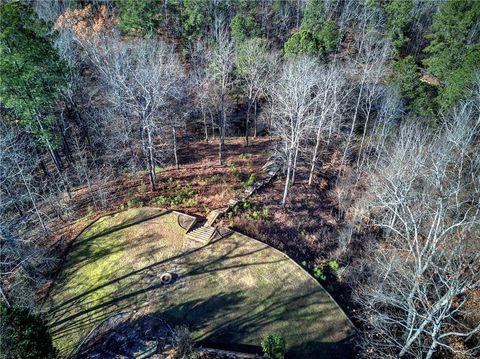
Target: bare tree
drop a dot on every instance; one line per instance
(142, 79)
(295, 98)
(256, 65)
(426, 194)
(330, 86)
(221, 61)
(365, 74)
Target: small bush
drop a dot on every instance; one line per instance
(183, 342)
(129, 194)
(274, 346)
(245, 156)
(213, 179)
(318, 273)
(142, 187)
(130, 203)
(246, 204)
(234, 169)
(190, 202)
(333, 264)
(250, 181)
(259, 214)
(159, 201)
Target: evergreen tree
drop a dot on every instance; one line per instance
(406, 81)
(315, 37)
(244, 25)
(197, 18)
(140, 17)
(274, 346)
(454, 49)
(321, 42)
(313, 15)
(23, 335)
(302, 42)
(398, 18)
(31, 71)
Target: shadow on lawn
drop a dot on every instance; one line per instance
(224, 319)
(212, 316)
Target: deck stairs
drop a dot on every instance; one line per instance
(201, 235)
(213, 215)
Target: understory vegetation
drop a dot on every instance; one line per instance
(366, 111)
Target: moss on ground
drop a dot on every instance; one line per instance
(234, 291)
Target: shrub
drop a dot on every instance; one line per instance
(234, 169)
(246, 204)
(213, 179)
(274, 346)
(130, 203)
(24, 335)
(333, 264)
(142, 187)
(250, 181)
(245, 156)
(318, 273)
(159, 201)
(190, 202)
(129, 194)
(259, 214)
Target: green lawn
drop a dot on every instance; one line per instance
(234, 291)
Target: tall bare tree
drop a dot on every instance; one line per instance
(256, 66)
(144, 78)
(295, 98)
(426, 200)
(221, 61)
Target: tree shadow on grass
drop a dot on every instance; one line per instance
(234, 319)
(213, 318)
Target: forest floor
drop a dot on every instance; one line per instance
(232, 292)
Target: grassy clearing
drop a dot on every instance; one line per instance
(235, 290)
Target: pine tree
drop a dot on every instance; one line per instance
(31, 72)
(140, 17)
(316, 36)
(23, 335)
(398, 18)
(454, 49)
(406, 81)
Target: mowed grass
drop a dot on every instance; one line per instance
(231, 293)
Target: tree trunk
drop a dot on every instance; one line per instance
(150, 160)
(315, 152)
(294, 168)
(222, 131)
(255, 119)
(287, 179)
(175, 147)
(367, 117)
(247, 121)
(205, 124)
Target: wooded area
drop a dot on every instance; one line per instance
(371, 108)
